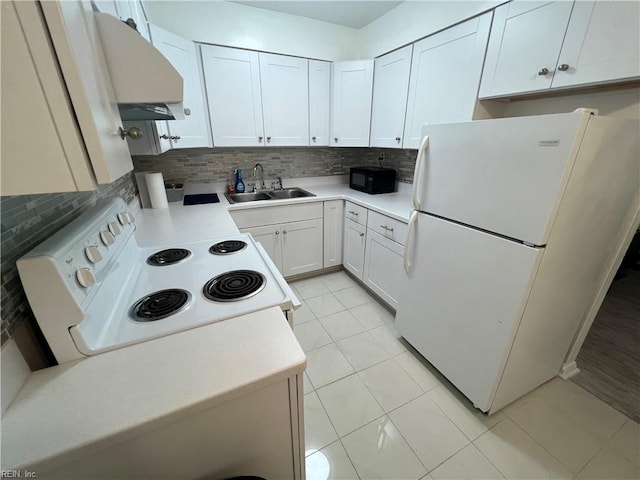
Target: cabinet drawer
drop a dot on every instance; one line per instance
(255, 217)
(387, 227)
(356, 213)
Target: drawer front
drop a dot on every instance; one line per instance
(255, 217)
(356, 213)
(388, 227)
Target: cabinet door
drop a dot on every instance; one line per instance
(285, 99)
(269, 238)
(319, 102)
(353, 249)
(445, 74)
(602, 44)
(525, 43)
(232, 79)
(74, 35)
(34, 99)
(333, 221)
(301, 246)
(183, 55)
(390, 87)
(384, 267)
(351, 117)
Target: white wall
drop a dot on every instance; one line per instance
(413, 20)
(242, 26)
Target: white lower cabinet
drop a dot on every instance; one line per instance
(353, 248)
(383, 267)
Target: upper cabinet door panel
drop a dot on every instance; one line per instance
(445, 74)
(183, 55)
(232, 79)
(602, 44)
(390, 86)
(285, 99)
(319, 102)
(352, 88)
(524, 46)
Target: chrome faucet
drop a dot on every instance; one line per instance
(255, 169)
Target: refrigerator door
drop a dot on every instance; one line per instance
(463, 302)
(505, 175)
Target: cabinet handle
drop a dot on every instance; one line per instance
(187, 111)
(164, 136)
(543, 71)
(133, 133)
(353, 213)
(335, 139)
(277, 232)
(388, 229)
(362, 234)
(313, 138)
(259, 139)
(398, 139)
(268, 139)
(284, 231)
(563, 67)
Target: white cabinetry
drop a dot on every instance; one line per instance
(319, 102)
(535, 46)
(285, 99)
(351, 112)
(232, 79)
(333, 221)
(59, 116)
(390, 86)
(445, 74)
(354, 238)
(193, 131)
(292, 235)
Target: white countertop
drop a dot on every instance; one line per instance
(69, 411)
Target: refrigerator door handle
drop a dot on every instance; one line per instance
(417, 172)
(408, 243)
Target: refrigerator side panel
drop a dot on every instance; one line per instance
(601, 199)
(504, 175)
(463, 301)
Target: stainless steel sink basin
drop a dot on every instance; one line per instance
(293, 192)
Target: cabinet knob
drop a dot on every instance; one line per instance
(277, 232)
(259, 139)
(284, 232)
(335, 139)
(543, 71)
(563, 67)
(397, 139)
(134, 133)
(362, 234)
(313, 138)
(268, 139)
(187, 111)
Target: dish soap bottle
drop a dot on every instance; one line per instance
(239, 182)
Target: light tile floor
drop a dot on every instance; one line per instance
(374, 409)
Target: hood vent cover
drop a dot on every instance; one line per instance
(146, 85)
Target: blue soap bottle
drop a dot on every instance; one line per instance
(239, 182)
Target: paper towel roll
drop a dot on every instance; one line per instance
(142, 189)
(157, 193)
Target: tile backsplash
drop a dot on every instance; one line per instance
(27, 220)
(209, 165)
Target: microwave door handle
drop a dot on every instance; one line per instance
(408, 244)
(418, 172)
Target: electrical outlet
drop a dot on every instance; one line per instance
(381, 156)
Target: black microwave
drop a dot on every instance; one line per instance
(372, 179)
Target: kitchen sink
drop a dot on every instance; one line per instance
(285, 193)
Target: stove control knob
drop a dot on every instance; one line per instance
(123, 218)
(114, 228)
(107, 238)
(131, 218)
(85, 277)
(93, 254)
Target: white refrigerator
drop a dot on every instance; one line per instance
(516, 224)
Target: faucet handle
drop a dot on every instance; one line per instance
(251, 187)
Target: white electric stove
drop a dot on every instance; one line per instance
(93, 289)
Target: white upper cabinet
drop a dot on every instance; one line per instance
(319, 102)
(285, 99)
(351, 113)
(535, 46)
(232, 79)
(524, 45)
(390, 87)
(602, 44)
(445, 74)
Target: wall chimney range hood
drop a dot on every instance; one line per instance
(146, 85)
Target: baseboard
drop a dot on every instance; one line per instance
(569, 370)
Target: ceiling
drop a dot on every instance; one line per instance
(354, 14)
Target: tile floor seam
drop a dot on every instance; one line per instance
(349, 457)
(330, 421)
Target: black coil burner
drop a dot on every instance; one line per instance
(159, 305)
(233, 286)
(227, 247)
(169, 256)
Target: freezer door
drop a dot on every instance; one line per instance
(463, 300)
(505, 175)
